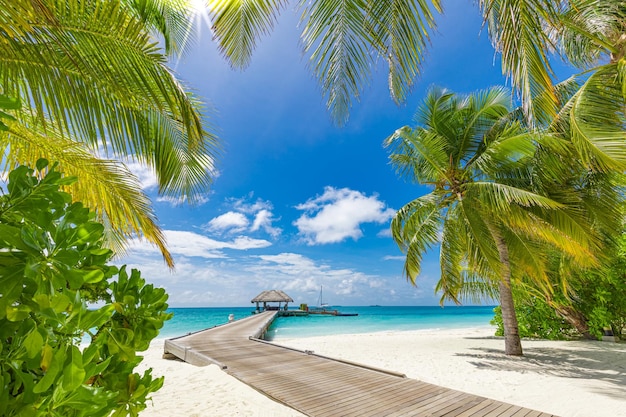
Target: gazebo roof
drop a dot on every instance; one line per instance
(272, 296)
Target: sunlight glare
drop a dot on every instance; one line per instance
(200, 10)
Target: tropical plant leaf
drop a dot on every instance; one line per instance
(127, 95)
(415, 228)
(401, 31)
(107, 186)
(596, 119)
(169, 18)
(239, 24)
(518, 31)
(338, 39)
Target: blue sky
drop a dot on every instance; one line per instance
(299, 202)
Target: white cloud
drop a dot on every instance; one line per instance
(242, 205)
(263, 220)
(198, 200)
(231, 221)
(338, 214)
(237, 220)
(245, 242)
(190, 244)
(145, 174)
(234, 281)
(394, 258)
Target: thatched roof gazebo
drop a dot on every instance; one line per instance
(272, 296)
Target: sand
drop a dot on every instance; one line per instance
(568, 379)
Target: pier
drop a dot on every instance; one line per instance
(319, 386)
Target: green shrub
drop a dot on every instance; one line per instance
(536, 319)
(61, 354)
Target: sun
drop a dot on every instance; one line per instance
(200, 11)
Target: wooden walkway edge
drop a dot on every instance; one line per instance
(319, 386)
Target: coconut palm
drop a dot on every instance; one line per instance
(94, 86)
(484, 208)
(590, 35)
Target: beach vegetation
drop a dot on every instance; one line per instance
(589, 305)
(71, 324)
(94, 88)
(536, 320)
(493, 207)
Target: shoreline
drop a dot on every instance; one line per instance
(565, 378)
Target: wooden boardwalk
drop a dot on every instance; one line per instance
(320, 386)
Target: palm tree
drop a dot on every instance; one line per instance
(484, 210)
(590, 35)
(92, 80)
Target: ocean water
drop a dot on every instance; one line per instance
(369, 320)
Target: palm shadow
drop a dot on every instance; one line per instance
(587, 360)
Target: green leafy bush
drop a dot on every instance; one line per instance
(536, 319)
(59, 354)
(600, 295)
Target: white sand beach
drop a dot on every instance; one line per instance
(568, 379)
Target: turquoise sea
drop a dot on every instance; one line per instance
(370, 319)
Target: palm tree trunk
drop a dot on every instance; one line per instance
(512, 341)
(575, 318)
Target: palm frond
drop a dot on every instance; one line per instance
(16, 17)
(169, 18)
(401, 31)
(337, 37)
(529, 257)
(481, 113)
(239, 24)
(97, 75)
(415, 228)
(596, 118)
(420, 155)
(105, 186)
(476, 289)
(517, 30)
(566, 229)
(481, 251)
(590, 30)
(501, 197)
(451, 258)
(437, 110)
(563, 91)
(511, 148)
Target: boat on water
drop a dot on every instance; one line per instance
(325, 309)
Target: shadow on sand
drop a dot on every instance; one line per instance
(578, 359)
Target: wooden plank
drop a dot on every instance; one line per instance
(474, 411)
(357, 401)
(408, 397)
(341, 392)
(460, 407)
(420, 394)
(434, 403)
(502, 409)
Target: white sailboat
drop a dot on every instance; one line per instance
(320, 301)
(323, 308)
